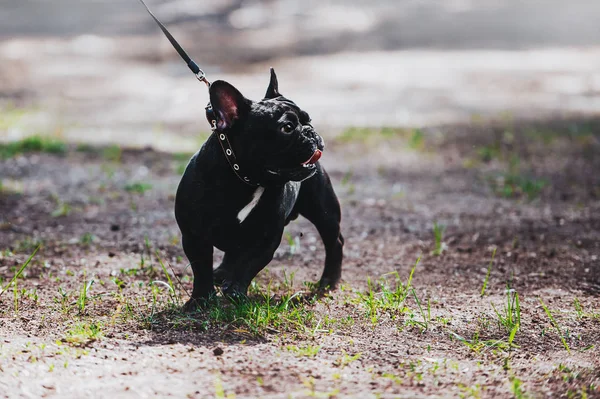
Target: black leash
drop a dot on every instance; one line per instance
(199, 73)
(190, 62)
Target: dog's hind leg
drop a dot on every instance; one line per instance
(318, 203)
(200, 256)
(246, 266)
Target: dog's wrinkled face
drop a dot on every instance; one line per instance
(273, 137)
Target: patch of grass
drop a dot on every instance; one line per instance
(182, 156)
(544, 135)
(476, 344)
(417, 140)
(489, 152)
(367, 135)
(386, 298)
(352, 134)
(265, 312)
(470, 391)
(83, 333)
(87, 239)
(32, 144)
(63, 209)
(304, 351)
(112, 153)
(511, 185)
(138, 187)
(515, 184)
(260, 313)
(87, 148)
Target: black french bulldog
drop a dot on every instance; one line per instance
(256, 172)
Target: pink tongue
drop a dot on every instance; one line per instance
(314, 158)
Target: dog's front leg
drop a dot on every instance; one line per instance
(200, 255)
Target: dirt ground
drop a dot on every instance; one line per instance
(87, 317)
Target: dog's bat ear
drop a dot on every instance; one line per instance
(273, 89)
(227, 102)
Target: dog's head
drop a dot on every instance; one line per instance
(272, 138)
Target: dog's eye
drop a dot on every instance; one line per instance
(287, 128)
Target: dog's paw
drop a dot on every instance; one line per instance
(328, 284)
(195, 304)
(234, 289)
(192, 305)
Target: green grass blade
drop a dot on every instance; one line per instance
(162, 265)
(556, 326)
(16, 276)
(425, 321)
(410, 277)
(513, 332)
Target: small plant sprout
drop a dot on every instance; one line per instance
(517, 389)
(83, 294)
(438, 232)
(417, 140)
(293, 242)
(510, 316)
(87, 239)
(62, 209)
(346, 359)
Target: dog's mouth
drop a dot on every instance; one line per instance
(301, 172)
(313, 159)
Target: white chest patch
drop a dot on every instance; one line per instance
(245, 211)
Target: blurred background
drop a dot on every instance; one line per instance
(101, 71)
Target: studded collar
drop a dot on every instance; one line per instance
(230, 155)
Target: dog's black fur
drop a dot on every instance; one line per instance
(272, 139)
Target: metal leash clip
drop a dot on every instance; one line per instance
(201, 76)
